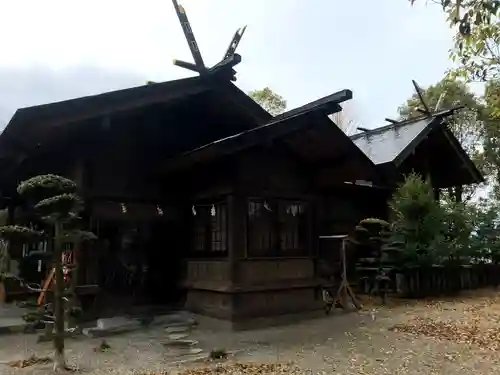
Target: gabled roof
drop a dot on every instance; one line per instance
(391, 145)
(34, 130)
(387, 143)
(29, 121)
(307, 128)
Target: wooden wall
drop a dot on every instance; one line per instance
(235, 287)
(240, 287)
(272, 169)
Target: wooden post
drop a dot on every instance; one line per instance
(59, 362)
(236, 242)
(344, 290)
(10, 221)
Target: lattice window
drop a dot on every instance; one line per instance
(276, 227)
(201, 228)
(210, 228)
(260, 225)
(292, 227)
(218, 228)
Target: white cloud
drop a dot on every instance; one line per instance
(303, 50)
(23, 87)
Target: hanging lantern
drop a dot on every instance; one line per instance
(212, 211)
(193, 210)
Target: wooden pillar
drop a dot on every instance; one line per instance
(314, 220)
(11, 220)
(458, 193)
(236, 234)
(236, 242)
(429, 178)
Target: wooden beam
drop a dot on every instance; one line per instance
(325, 104)
(160, 92)
(363, 129)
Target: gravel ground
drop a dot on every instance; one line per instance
(456, 336)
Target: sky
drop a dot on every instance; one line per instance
(58, 49)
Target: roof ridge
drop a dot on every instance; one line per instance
(443, 113)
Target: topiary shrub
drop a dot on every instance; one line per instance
(371, 238)
(56, 203)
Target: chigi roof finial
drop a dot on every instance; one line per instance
(224, 68)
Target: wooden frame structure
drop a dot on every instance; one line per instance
(158, 166)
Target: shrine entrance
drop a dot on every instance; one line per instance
(139, 261)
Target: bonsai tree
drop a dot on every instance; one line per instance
(54, 200)
(371, 239)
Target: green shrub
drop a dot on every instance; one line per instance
(418, 221)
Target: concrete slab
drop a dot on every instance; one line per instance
(117, 321)
(175, 322)
(11, 325)
(11, 320)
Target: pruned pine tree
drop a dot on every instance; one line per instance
(54, 200)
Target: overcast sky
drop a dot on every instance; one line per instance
(58, 49)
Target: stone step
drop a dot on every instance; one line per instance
(177, 336)
(183, 352)
(117, 321)
(180, 343)
(112, 328)
(193, 358)
(118, 325)
(177, 319)
(177, 329)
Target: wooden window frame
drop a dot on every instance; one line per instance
(275, 249)
(213, 228)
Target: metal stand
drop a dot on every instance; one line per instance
(344, 290)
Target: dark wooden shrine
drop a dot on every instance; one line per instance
(199, 195)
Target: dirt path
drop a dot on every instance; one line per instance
(460, 336)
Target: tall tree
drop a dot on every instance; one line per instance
(477, 36)
(466, 124)
(269, 100)
(492, 133)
